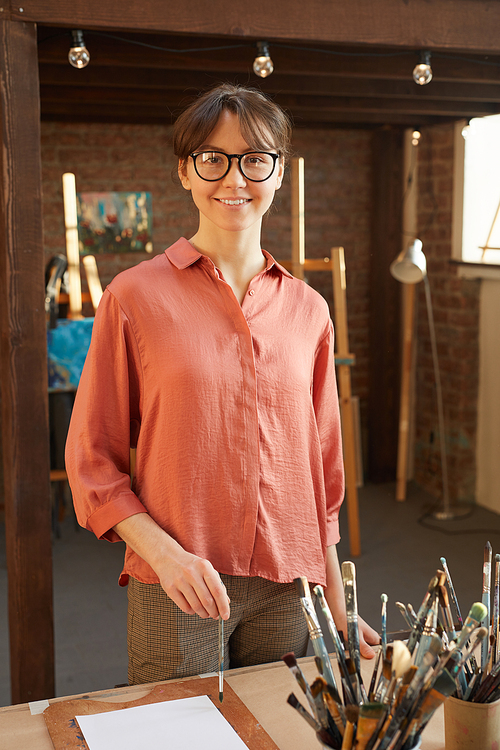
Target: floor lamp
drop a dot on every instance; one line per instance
(410, 267)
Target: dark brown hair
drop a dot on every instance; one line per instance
(263, 123)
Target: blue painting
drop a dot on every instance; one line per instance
(114, 223)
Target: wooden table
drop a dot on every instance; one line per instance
(263, 689)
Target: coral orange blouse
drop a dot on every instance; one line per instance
(233, 410)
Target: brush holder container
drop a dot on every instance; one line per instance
(471, 726)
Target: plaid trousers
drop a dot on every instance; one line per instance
(266, 622)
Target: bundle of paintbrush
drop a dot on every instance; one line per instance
(480, 681)
(409, 681)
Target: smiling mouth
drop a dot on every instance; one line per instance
(236, 202)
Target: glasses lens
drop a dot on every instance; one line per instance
(257, 166)
(211, 165)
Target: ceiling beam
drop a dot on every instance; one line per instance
(443, 24)
(168, 101)
(95, 76)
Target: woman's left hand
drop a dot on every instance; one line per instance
(367, 637)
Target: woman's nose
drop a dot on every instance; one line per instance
(234, 177)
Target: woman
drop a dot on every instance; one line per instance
(218, 366)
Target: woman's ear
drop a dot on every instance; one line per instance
(281, 172)
(182, 172)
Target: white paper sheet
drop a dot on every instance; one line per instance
(186, 724)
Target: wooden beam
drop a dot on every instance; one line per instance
(98, 77)
(25, 432)
(459, 25)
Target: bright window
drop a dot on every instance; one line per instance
(481, 196)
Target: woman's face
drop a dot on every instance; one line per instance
(233, 203)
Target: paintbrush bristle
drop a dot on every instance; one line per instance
(318, 686)
(401, 658)
(293, 700)
(372, 710)
(478, 611)
(221, 696)
(351, 713)
(290, 659)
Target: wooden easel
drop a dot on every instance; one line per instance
(75, 296)
(343, 358)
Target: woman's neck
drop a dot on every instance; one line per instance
(237, 255)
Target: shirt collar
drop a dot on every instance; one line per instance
(182, 254)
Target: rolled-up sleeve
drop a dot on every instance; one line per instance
(105, 418)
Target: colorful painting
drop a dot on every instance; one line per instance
(114, 223)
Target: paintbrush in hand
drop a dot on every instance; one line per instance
(221, 659)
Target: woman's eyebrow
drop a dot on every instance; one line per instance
(209, 147)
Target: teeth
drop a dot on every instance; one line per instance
(234, 203)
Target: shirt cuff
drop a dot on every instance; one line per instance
(103, 519)
(332, 533)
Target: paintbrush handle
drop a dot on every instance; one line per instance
(318, 643)
(495, 621)
(451, 588)
(486, 599)
(221, 658)
(349, 580)
(337, 643)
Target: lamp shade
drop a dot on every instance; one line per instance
(410, 266)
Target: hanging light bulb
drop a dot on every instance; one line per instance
(78, 55)
(263, 65)
(415, 137)
(422, 73)
(466, 130)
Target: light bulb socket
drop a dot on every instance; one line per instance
(263, 65)
(422, 73)
(78, 55)
(77, 38)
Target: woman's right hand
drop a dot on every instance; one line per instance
(194, 585)
(190, 581)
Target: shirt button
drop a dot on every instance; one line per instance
(251, 292)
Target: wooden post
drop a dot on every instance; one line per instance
(298, 225)
(344, 378)
(385, 306)
(25, 431)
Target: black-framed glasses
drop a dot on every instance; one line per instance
(256, 166)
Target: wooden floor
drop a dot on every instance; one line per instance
(400, 553)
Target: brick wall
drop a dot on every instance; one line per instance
(338, 210)
(456, 315)
(114, 157)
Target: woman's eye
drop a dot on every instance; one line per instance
(212, 159)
